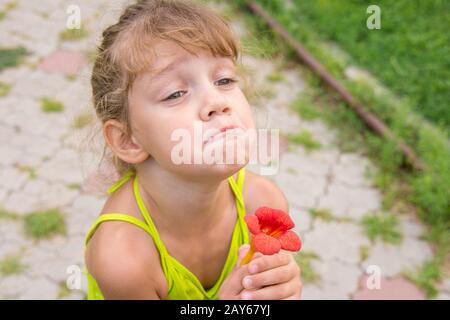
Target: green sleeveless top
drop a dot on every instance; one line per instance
(182, 284)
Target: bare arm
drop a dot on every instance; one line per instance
(117, 260)
(259, 191)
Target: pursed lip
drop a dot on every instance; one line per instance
(215, 132)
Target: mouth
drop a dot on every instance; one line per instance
(222, 133)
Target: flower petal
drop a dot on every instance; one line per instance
(283, 220)
(273, 219)
(266, 244)
(290, 241)
(264, 215)
(252, 223)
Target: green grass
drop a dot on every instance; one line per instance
(306, 108)
(275, 77)
(427, 277)
(305, 139)
(74, 186)
(11, 57)
(323, 214)
(73, 34)
(383, 226)
(27, 169)
(4, 214)
(4, 89)
(291, 170)
(82, 120)
(49, 105)
(11, 265)
(10, 5)
(409, 54)
(63, 291)
(304, 259)
(364, 252)
(44, 224)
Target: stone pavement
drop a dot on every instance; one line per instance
(49, 160)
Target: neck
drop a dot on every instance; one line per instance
(184, 206)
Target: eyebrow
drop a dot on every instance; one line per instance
(164, 70)
(157, 73)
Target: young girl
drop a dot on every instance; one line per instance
(170, 230)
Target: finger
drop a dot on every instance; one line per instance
(270, 277)
(242, 251)
(257, 255)
(265, 262)
(293, 297)
(297, 295)
(238, 273)
(275, 292)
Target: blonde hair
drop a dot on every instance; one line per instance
(126, 50)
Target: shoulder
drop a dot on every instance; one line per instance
(119, 256)
(260, 191)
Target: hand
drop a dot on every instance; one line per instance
(232, 286)
(274, 277)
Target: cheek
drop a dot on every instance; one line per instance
(244, 111)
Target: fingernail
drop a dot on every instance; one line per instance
(247, 282)
(246, 296)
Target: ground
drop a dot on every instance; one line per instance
(49, 156)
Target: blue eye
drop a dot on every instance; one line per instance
(226, 81)
(174, 95)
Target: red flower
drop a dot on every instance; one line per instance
(271, 230)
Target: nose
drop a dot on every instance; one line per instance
(215, 104)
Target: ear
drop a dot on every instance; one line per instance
(123, 146)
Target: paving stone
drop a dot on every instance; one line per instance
(82, 213)
(353, 202)
(335, 241)
(63, 61)
(283, 119)
(394, 259)
(302, 220)
(320, 132)
(351, 170)
(9, 157)
(9, 248)
(301, 190)
(339, 280)
(39, 83)
(63, 167)
(11, 287)
(445, 285)
(40, 289)
(3, 193)
(397, 288)
(43, 263)
(32, 199)
(22, 203)
(10, 230)
(12, 178)
(443, 296)
(298, 162)
(411, 226)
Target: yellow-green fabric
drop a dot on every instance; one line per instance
(182, 284)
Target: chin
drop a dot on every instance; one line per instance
(210, 171)
(225, 170)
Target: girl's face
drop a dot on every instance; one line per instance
(183, 91)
